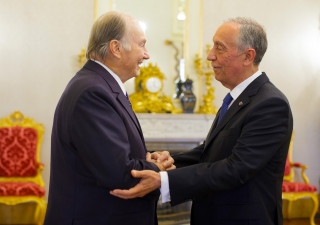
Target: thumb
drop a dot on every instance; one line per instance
(137, 174)
(148, 156)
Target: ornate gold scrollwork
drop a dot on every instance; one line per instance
(82, 58)
(146, 101)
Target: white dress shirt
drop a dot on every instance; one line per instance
(115, 76)
(164, 189)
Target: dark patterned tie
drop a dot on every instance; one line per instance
(128, 99)
(226, 101)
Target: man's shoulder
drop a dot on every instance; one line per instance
(269, 90)
(87, 79)
(83, 85)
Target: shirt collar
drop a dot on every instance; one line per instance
(243, 85)
(115, 76)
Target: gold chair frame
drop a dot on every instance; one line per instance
(18, 119)
(293, 196)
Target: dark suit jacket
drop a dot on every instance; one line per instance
(96, 142)
(236, 176)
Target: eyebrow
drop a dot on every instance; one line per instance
(219, 43)
(143, 41)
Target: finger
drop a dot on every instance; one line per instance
(138, 174)
(168, 162)
(163, 157)
(155, 155)
(172, 167)
(148, 156)
(125, 194)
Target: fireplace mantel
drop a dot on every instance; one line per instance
(175, 127)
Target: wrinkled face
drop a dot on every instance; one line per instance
(226, 61)
(132, 59)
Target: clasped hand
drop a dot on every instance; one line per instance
(162, 159)
(150, 180)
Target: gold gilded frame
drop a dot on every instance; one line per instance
(293, 196)
(18, 119)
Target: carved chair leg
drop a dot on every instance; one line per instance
(315, 208)
(37, 213)
(289, 209)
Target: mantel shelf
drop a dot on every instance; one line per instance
(175, 127)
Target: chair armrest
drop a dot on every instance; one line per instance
(41, 165)
(303, 168)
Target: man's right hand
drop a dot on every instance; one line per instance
(162, 159)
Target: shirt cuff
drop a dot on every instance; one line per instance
(164, 189)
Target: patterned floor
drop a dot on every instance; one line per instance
(285, 222)
(300, 222)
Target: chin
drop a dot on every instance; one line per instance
(135, 75)
(216, 77)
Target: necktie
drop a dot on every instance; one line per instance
(128, 98)
(226, 101)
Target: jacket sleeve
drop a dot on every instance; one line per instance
(266, 129)
(102, 141)
(188, 158)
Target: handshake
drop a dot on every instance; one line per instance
(150, 180)
(163, 160)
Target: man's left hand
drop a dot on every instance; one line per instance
(150, 181)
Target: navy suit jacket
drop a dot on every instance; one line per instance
(235, 177)
(96, 142)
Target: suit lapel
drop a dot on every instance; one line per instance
(213, 126)
(232, 111)
(114, 86)
(239, 103)
(124, 102)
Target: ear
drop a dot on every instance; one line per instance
(250, 54)
(115, 48)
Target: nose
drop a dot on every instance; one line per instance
(211, 55)
(146, 55)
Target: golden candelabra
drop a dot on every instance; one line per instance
(205, 69)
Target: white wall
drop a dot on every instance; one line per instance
(292, 62)
(39, 45)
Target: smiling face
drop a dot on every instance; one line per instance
(225, 59)
(132, 59)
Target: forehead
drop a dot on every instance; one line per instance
(135, 32)
(227, 34)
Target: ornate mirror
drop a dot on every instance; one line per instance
(173, 33)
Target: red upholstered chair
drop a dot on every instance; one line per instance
(20, 167)
(292, 190)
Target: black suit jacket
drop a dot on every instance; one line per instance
(96, 142)
(236, 176)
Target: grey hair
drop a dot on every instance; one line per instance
(251, 35)
(110, 26)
